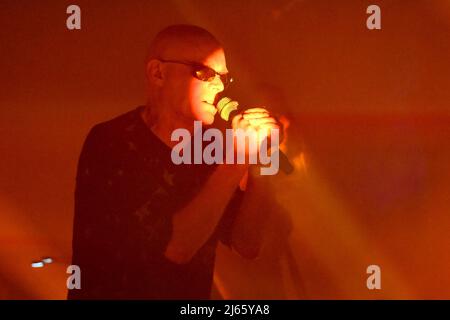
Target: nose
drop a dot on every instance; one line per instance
(217, 84)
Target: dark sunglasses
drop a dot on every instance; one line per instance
(204, 73)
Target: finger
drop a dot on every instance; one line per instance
(239, 121)
(262, 121)
(252, 110)
(242, 124)
(266, 129)
(256, 115)
(268, 126)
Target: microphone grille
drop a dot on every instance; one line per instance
(225, 106)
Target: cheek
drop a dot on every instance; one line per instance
(196, 94)
(179, 88)
(195, 90)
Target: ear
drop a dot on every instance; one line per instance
(154, 72)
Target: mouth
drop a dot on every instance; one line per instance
(210, 104)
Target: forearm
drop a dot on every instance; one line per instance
(249, 226)
(195, 223)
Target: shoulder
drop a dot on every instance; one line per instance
(115, 128)
(108, 139)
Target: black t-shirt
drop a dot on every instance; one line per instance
(127, 190)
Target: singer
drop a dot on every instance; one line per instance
(144, 227)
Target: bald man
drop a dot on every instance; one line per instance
(145, 228)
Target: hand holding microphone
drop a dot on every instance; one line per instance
(257, 119)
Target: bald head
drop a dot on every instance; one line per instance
(180, 40)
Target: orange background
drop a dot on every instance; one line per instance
(369, 132)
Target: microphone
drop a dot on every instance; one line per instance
(228, 108)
